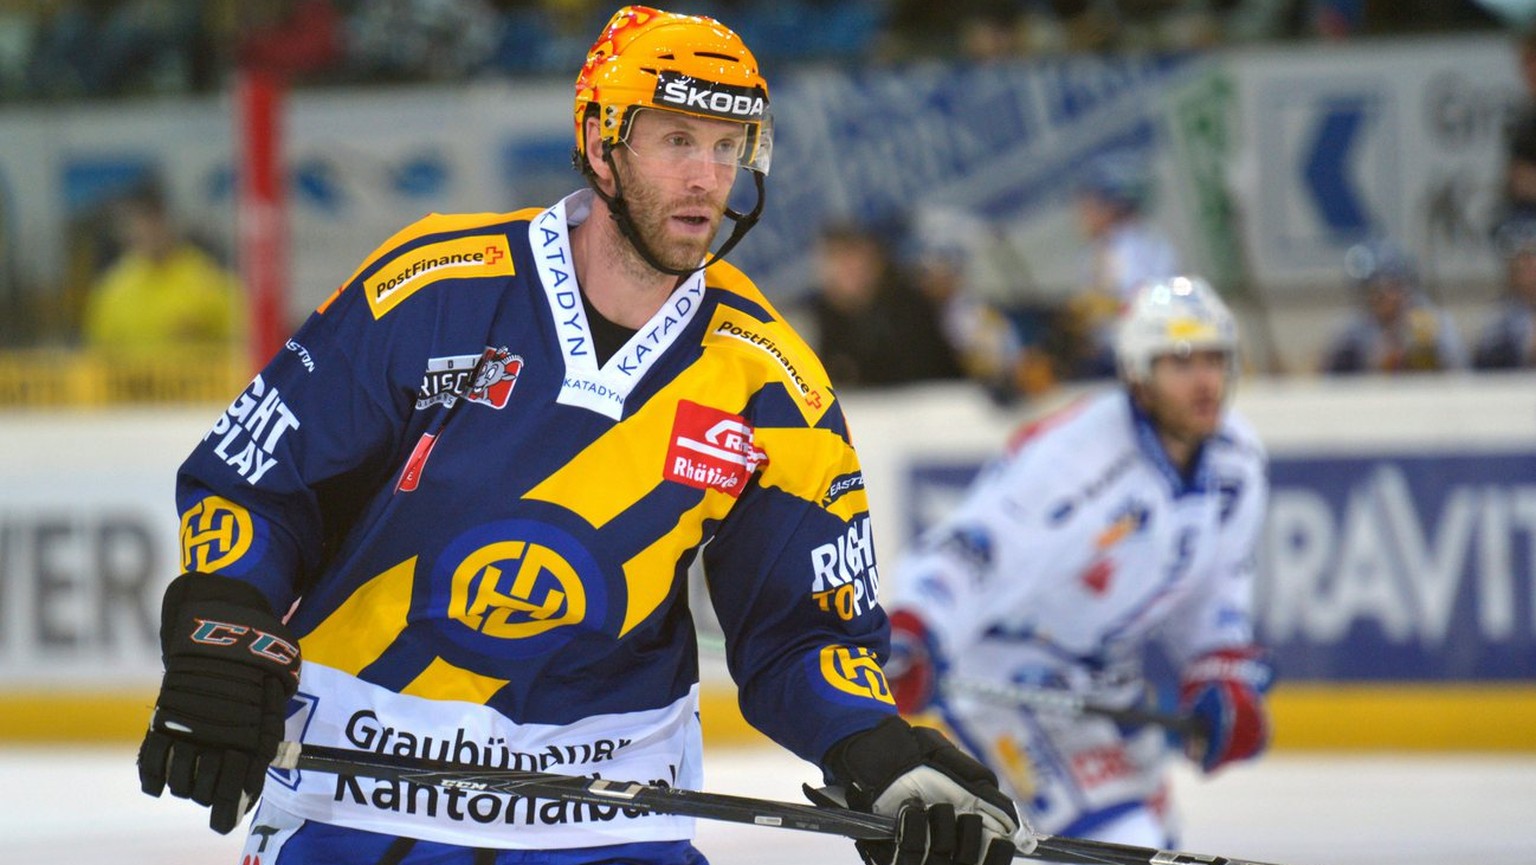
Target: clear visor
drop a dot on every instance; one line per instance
(671, 138)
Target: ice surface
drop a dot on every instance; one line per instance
(82, 804)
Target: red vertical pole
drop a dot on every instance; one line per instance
(261, 217)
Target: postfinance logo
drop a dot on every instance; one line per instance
(514, 590)
(855, 671)
(215, 533)
(460, 258)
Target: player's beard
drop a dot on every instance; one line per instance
(651, 215)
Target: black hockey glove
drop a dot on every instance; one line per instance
(948, 808)
(230, 667)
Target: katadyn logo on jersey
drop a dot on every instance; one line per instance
(486, 378)
(712, 449)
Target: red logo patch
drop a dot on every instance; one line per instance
(1101, 765)
(1096, 578)
(711, 449)
(494, 377)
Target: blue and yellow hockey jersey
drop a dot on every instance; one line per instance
(483, 535)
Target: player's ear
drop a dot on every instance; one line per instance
(592, 128)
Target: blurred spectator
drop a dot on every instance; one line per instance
(1397, 329)
(107, 48)
(989, 32)
(1336, 20)
(1087, 25)
(545, 36)
(1508, 341)
(778, 31)
(1519, 192)
(1112, 196)
(949, 245)
(163, 293)
(870, 324)
(422, 39)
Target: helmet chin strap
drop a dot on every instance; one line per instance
(619, 209)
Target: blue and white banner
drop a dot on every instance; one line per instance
(1402, 567)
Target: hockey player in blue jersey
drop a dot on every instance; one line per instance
(1129, 517)
(453, 518)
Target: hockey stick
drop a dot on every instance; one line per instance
(1056, 700)
(827, 820)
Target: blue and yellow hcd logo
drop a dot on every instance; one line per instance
(519, 585)
(216, 533)
(854, 671)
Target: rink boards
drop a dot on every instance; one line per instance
(1398, 586)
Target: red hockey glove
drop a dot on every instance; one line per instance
(911, 670)
(948, 808)
(1224, 690)
(230, 667)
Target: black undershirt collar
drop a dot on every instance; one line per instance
(607, 337)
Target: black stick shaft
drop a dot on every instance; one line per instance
(844, 822)
(596, 791)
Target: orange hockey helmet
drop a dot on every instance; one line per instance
(647, 58)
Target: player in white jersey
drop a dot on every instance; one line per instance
(1128, 518)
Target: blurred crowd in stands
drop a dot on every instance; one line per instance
(910, 281)
(878, 317)
(107, 48)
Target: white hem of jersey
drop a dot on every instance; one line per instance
(337, 709)
(584, 385)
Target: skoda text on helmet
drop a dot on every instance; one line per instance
(649, 59)
(1176, 316)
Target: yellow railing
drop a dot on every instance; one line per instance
(39, 378)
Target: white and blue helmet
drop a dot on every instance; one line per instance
(1178, 315)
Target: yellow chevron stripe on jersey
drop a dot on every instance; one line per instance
(356, 633)
(444, 681)
(434, 223)
(781, 353)
(622, 461)
(726, 276)
(630, 457)
(642, 440)
(804, 462)
(649, 573)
